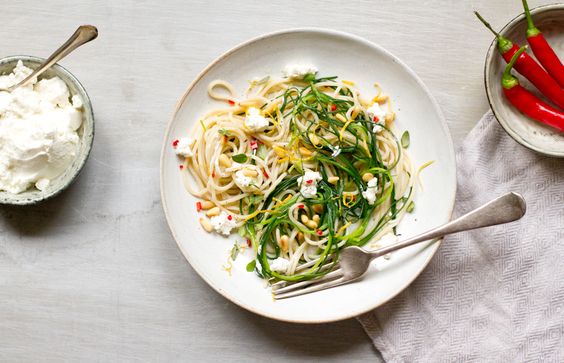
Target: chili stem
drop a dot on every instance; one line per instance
(531, 28)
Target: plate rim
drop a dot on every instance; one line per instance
(490, 54)
(325, 31)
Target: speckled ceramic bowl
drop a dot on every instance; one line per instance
(524, 130)
(86, 133)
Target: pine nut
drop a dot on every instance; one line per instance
(213, 212)
(304, 219)
(314, 139)
(355, 113)
(367, 177)
(316, 218)
(341, 118)
(305, 152)
(250, 172)
(381, 98)
(284, 243)
(391, 116)
(300, 236)
(317, 208)
(206, 224)
(224, 161)
(312, 224)
(206, 204)
(333, 179)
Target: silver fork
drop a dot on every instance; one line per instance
(354, 261)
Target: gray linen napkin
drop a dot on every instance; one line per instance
(495, 294)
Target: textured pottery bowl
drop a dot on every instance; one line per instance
(86, 133)
(524, 130)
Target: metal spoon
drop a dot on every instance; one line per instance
(82, 35)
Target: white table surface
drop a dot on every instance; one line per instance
(94, 274)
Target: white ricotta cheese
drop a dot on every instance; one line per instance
(184, 147)
(223, 223)
(308, 183)
(279, 265)
(376, 114)
(255, 121)
(38, 131)
(245, 183)
(299, 71)
(370, 193)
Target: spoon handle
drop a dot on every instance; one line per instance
(82, 35)
(507, 208)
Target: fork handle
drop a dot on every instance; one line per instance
(82, 35)
(507, 208)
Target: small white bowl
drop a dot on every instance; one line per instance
(524, 130)
(86, 133)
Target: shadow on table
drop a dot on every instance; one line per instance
(309, 340)
(33, 220)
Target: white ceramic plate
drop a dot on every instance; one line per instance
(352, 58)
(524, 130)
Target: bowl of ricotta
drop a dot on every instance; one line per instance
(46, 131)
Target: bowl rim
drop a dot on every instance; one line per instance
(90, 140)
(491, 53)
(433, 246)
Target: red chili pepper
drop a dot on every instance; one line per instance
(231, 102)
(181, 166)
(544, 53)
(230, 217)
(301, 206)
(175, 143)
(333, 107)
(265, 173)
(198, 206)
(319, 232)
(526, 102)
(528, 67)
(376, 119)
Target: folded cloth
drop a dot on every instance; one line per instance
(494, 294)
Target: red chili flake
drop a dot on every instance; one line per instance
(333, 107)
(301, 206)
(319, 232)
(254, 144)
(230, 217)
(264, 173)
(249, 242)
(181, 166)
(376, 119)
(213, 174)
(231, 102)
(175, 143)
(199, 206)
(225, 139)
(309, 181)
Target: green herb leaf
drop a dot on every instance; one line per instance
(224, 132)
(240, 158)
(251, 265)
(310, 77)
(235, 251)
(410, 207)
(405, 140)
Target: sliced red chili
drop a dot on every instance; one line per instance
(231, 102)
(175, 143)
(333, 107)
(230, 217)
(264, 173)
(198, 206)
